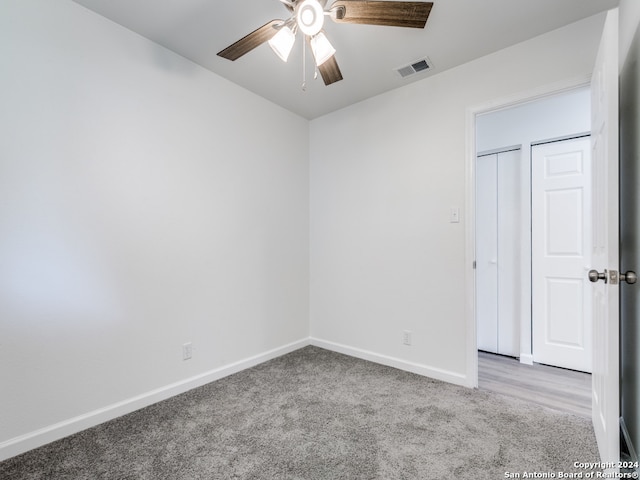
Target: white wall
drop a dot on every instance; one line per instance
(384, 175)
(547, 118)
(629, 21)
(556, 116)
(144, 202)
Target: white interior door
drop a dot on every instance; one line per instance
(561, 251)
(604, 135)
(498, 252)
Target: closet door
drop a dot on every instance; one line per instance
(561, 248)
(498, 252)
(487, 252)
(509, 252)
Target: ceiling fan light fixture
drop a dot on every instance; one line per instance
(282, 42)
(310, 17)
(321, 48)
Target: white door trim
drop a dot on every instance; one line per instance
(470, 192)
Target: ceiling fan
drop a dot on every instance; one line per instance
(308, 17)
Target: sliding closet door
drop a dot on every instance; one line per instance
(509, 252)
(487, 252)
(498, 247)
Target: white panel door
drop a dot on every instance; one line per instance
(561, 251)
(498, 252)
(606, 314)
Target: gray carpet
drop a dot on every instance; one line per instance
(315, 414)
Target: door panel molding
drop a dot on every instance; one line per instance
(561, 248)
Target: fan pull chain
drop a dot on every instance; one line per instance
(304, 65)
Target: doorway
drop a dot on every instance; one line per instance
(504, 247)
(503, 183)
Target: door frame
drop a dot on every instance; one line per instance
(470, 195)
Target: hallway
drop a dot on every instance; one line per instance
(557, 388)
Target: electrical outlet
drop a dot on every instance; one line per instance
(406, 337)
(187, 351)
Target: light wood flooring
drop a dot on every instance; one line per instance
(558, 388)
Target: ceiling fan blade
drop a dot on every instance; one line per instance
(251, 41)
(394, 14)
(330, 71)
(289, 4)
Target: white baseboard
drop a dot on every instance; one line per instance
(38, 438)
(420, 369)
(526, 358)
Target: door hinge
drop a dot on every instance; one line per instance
(474, 264)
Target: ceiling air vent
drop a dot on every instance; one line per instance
(415, 67)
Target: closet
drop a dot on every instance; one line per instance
(498, 251)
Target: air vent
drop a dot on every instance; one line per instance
(419, 66)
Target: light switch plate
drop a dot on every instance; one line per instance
(454, 215)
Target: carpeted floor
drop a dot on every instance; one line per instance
(315, 414)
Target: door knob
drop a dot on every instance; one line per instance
(594, 276)
(629, 277)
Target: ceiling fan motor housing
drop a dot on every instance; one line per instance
(309, 16)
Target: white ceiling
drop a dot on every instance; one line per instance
(457, 31)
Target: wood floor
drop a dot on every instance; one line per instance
(557, 388)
